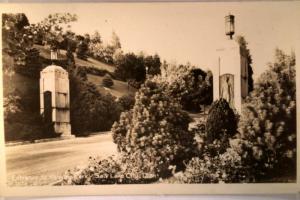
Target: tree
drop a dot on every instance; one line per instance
(82, 47)
(69, 41)
(155, 131)
(244, 44)
(18, 42)
(189, 85)
(52, 28)
(130, 66)
(115, 41)
(268, 121)
(153, 64)
(96, 38)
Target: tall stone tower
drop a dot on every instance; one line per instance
(55, 99)
(231, 76)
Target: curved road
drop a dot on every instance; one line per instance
(45, 162)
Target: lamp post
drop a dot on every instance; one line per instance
(229, 25)
(53, 54)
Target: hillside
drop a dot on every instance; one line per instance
(45, 52)
(23, 83)
(119, 88)
(17, 81)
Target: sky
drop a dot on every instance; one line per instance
(184, 32)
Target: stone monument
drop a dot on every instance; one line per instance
(55, 99)
(231, 76)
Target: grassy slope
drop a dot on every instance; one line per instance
(119, 88)
(24, 83)
(44, 52)
(16, 81)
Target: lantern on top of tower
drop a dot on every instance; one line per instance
(229, 25)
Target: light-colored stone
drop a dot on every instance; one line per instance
(231, 61)
(55, 80)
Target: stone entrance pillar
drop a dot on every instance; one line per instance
(231, 74)
(55, 99)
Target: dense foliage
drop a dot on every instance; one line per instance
(244, 45)
(135, 67)
(190, 86)
(221, 120)
(156, 130)
(22, 118)
(268, 122)
(91, 111)
(193, 89)
(107, 53)
(82, 48)
(126, 101)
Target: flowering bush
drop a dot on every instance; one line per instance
(156, 130)
(268, 122)
(223, 168)
(192, 88)
(98, 171)
(111, 170)
(219, 160)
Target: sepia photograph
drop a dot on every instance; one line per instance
(186, 94)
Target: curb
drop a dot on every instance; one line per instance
(33, 142)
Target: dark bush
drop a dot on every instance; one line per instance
(22, 120)
(107, 81)
(27, 126)
(221, 120)
(94, 70)
(82, 49)
(91, 111)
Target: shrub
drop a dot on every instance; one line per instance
(156, 129)
(107, 81)
(126, 102)
(22, 121)
(91, 111)
(218, 161)
(95, 71)
(98, 171)
(223, 168)
(192, 89)
(268, 122)
(105, 171)
(221, 120)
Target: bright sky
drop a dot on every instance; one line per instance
(185, 32)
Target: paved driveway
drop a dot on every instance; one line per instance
(43, 163)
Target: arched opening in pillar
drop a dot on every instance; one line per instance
(48, 107)
(227, 88)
